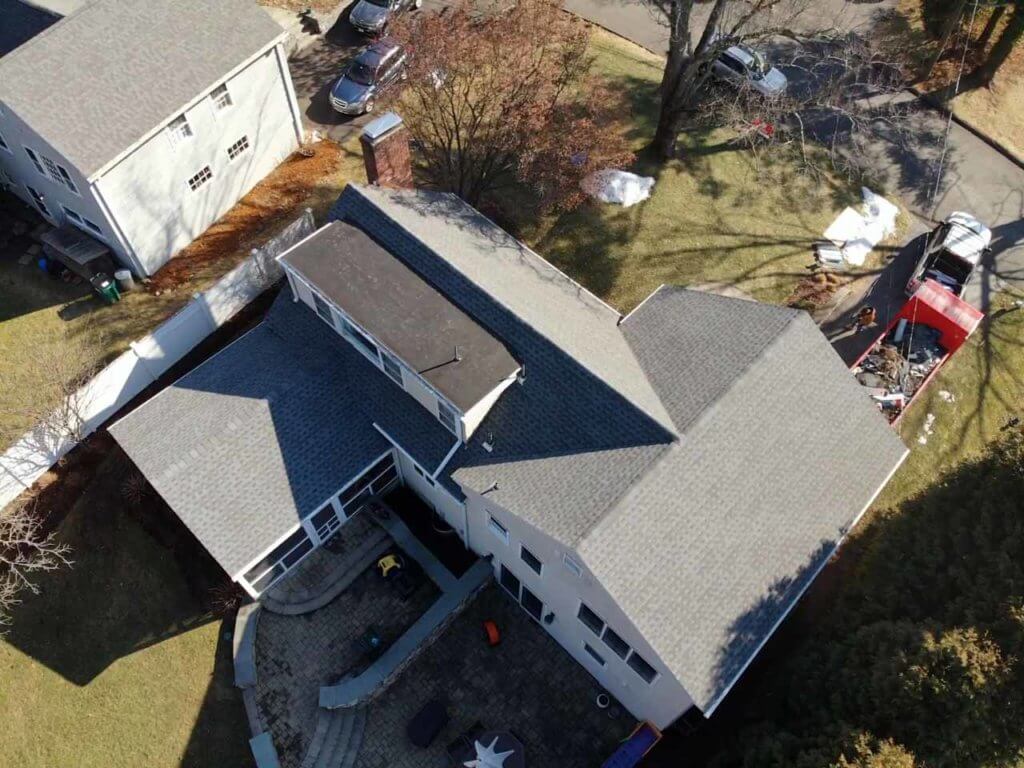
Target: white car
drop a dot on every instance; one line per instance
(743, 67)
(952, 253)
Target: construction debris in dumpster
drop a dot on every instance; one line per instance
(899, 364)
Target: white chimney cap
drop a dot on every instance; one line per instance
(387, 122)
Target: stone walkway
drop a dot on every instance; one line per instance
(296, 655)
(527, 685)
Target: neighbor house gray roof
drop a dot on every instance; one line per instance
(260, 435)
(20, 22)
(97, 81)
(779, 453)
(415, 321)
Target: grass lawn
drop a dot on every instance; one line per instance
(712, 217)
(36, 311)
(116, 663)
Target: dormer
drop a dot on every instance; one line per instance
(426, 345)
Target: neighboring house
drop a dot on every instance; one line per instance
(655, 490)
(141, 123)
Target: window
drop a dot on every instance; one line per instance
(646, 671)
(322, 308)
(73, 216)
(326, 522)
(361, 340)
(447, 417)
(510, 582)
(92, 227)
(594, 654)
(593, 622)
(3, 143)
(200, 178)
(619, 646)
(392, 367)
(279, 560)
(375, 480)
(179, 130)
(532, 604)
(530, 559)
(733, 63)
(238, 147)
(59, 174)
(572, 565)
(35, 161)
(497, 529)
(38, 200)
(221, 98)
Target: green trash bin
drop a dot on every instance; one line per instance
(105, 287)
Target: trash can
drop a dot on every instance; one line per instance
(124, 279)
(105, 288)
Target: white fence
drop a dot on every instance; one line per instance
(147, 359)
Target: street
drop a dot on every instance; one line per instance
(970, 175)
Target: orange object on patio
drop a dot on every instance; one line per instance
(493, 635)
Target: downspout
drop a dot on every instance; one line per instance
(118, 232)
(289, 90)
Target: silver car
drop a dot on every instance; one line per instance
(371, 17)
(744, 67)
(378, 67)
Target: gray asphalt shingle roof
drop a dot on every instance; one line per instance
(780, 453)
(100, 79)
(257, 437)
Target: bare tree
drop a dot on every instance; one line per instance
(694, 44)
(25, 552)
(505, 95)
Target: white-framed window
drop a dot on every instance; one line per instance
(392, 367)
(3, 143)
(59, 174)
(447, 417)
(73, 216)
(594, 654)
(590, 620)
(530, 559)
(200, 178)
(637, 663)
(279, 560)
(38, 200)
(238, 148)
(35, 161)
(325, 522)
(572, 566)
(497, 529)
(178, 130)
(619, 646)
(221, 98)
(323, 308)
(361, 341)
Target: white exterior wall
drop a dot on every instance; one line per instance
(147, 191)
(662, 701)
(471, 420)
(22, 170)
(443, 502)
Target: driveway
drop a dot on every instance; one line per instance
(316, 68)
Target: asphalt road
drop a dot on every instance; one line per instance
(970, 175)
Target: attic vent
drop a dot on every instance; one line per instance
(572, 565)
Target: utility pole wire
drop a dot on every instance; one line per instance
(949, 117)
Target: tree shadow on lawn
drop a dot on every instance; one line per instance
(124, 591)
(910, 633)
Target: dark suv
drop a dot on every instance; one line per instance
(377, 67)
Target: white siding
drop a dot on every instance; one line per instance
(471, 420)
(18, 135)
(662, 701)
(147, 191)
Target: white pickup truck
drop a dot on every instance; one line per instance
(952, 253)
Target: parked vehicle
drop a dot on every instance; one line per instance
(952, 253)
(371, 17)
(743, 67)
(377, 68)
(927, 330)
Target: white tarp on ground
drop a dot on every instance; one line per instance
(857, 232)
(619, 187)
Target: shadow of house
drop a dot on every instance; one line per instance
(22, 22)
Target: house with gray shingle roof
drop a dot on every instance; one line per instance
(141, 123)
(655, 490)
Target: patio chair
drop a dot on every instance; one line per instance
(461, 749)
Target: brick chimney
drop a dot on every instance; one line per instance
(386, 152)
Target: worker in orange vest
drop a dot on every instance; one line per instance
(866, 317)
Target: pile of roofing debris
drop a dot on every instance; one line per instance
(899, 364)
